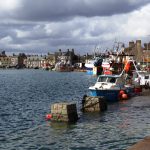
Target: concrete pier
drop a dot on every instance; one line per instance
(93, 104)
(141, 145)
(66, 112)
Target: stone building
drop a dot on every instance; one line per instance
(35, 61)
(14, 60)
(146, 54)
(17, 61)
(135, 48)
(51, 60)
(141, 53)
(5, 61)
(66, 57)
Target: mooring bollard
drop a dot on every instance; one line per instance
(66, 112)
(93, 104)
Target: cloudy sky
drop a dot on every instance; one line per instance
(42, 26)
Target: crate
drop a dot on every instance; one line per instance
(64, 112)
(94, 104)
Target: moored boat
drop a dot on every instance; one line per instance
(61, 67)
(108, 86)
(92, 64)
(142, 78)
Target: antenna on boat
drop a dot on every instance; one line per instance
(94, 51)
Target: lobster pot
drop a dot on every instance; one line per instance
(94, 104)
(64, 112)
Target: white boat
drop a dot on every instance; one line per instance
(61, 67)
(91, 64)
(108, 86)
(141, 78)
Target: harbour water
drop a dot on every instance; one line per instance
(25, 99)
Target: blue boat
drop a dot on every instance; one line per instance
(108, 86)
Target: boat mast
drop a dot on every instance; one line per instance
(133, 61)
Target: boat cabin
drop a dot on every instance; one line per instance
(109, 81)
(140, 77)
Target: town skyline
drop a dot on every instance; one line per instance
(140, 52)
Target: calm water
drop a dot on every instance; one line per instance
(25, 99)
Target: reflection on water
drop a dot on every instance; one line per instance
(25, 98)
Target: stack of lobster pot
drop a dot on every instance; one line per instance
(66, 112)
(93, 104)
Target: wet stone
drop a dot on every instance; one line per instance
(64, 112)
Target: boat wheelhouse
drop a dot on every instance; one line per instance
(108, 86)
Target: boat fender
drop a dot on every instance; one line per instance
(48, 116)
(124, 96)
(122, 92)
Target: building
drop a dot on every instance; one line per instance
(146, 54)
(35, 61)
(51, 59)
(141, 53)
(17, 61)
(65, 57)
(5, 61)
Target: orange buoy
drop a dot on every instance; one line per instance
(48, 116)
(122, 92)
(124, 96)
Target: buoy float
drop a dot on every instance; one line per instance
(122, 92)
(48, 116)
(124, 96)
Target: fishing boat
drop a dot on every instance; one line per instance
(108, 86)
(91, 65)
(142, 78)
(61, 67)
(139, 77)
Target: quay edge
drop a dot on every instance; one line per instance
(141, 145)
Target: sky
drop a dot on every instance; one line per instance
(41, 26)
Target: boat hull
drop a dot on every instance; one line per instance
(89, 70)
(110, 95)
(130, 91)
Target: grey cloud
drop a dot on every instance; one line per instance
(69, 34)
(56, 10)
(45, 25)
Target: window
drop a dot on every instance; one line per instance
(102, 79)
(111, 80)
(146, 77)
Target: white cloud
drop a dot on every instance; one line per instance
(8, 5)
(137, 23)
(6, 40)
(22, 34)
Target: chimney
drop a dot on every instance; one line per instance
(131, 45)
(138, 50)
